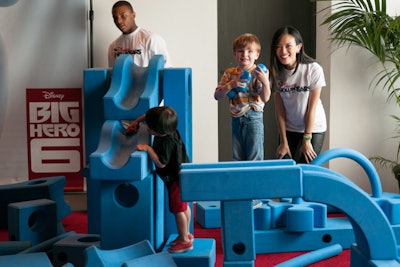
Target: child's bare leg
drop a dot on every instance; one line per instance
(183, 226)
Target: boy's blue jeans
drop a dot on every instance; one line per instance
(248, 136)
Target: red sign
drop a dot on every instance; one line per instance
(55, 134)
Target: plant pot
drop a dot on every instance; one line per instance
(396, 172)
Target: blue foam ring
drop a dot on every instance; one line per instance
(261, 67)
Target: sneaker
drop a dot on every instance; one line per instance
(190, 236)
(257, 203)
(181, 247)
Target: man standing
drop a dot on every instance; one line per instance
(140, 43)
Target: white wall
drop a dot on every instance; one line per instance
(190, 30)
(359, 116)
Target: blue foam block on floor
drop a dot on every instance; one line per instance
(96, 257)
(163, 259)
(39, 259)
(208, 214)
(202, 255)
(71, 249)
(34, 221)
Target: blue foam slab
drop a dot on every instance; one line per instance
(253, 182)
(116, 158)
(13, 247)
(96, 257)
(44, 188)
(208, 214)
(39, 259)
(133, 89)
(163, 259)
(338, 231)
(34, 221)
(239, 263)
(71, 249)
(95, 87)
(202, 255)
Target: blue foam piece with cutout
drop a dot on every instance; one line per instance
(34, 221)
(202, 255)
(43, 188)
(96, 257)
(133, 89)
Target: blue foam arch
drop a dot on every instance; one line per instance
(312, 257)
(133, 89)
(370, 234)
(364, 162)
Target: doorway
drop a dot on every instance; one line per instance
(262, 18)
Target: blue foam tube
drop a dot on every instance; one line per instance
(312, 257)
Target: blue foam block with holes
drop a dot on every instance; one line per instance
(34, 220)
(202, 255)
(208, 214)
(43, 188)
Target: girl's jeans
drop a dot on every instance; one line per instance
(248, 136)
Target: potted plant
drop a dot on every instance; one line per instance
(365, 23)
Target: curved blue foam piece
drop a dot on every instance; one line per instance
(39, 259)
(133, 89)
(370, 233)
(364, 162)
(313, 256)
(96, 257)
(116, 158)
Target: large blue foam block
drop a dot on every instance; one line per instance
(34, 220)
(202, 255)
(208, 214)
(44, 188)
(133, 89)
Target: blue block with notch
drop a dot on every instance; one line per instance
(208, 214)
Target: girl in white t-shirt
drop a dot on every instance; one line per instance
(297, 81)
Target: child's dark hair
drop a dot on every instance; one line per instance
(123, 3)
(162, 120)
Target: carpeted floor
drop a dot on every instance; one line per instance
(77, 222)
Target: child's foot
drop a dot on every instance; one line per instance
(181, 247)
(190, 236)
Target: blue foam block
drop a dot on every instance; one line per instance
(96, 257)
(71, 249)
(202, 255)
(46, 245)
(299, 219)
(262, 217)
(116, 158)
(34, 221)
(39, 259)
(44, 188)
(337, 231)
(133, 89)
(208, 214)
(163, 259)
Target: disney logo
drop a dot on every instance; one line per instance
(52, 95)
